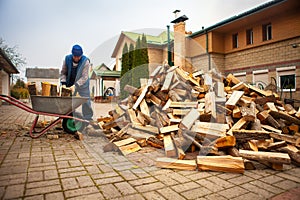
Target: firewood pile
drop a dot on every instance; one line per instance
(228, 123)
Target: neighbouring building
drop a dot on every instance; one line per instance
(7, 68)
(39, 75)
(104, 82)
(157, 47)
(260, 46)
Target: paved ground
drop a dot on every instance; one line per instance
(66, 168)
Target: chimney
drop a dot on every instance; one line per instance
(179, 40)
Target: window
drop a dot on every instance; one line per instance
(267, 32)
(287, 81)
(260, 78)
(241, 76)
(286, 78)
(235, 41)
(249, 36)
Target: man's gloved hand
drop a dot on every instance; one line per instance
(72, 88)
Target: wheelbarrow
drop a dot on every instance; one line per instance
(60, 107)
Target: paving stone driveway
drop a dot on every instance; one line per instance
(66, 168)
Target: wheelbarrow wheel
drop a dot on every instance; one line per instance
(71, 126)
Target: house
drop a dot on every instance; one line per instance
(260, 46)
(157, 47)
(104, 82)
(7, 68)
(39, 75)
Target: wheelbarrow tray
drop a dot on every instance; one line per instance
(56, 105)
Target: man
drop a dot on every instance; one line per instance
(75, 74)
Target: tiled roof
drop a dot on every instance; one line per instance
(239, 16)
(160, 39)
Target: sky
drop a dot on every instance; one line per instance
(44, 31)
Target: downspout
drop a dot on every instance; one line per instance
(169, 46)
(208, 54)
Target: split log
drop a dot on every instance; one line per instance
(221, 163)
(167, 82)
(246, 135)
(192, 104)
(277, 145)
(293, 152)
(249, 112)
(236, 112)
(272, 157)
(129, 148)
(168, 129)
(210, 104)
(224, 142)
(285, 116)
(189, 119)
(288, 138)
(232, 79)
(170, 150)
(233, 99)
(171, 163)
(141, 97)
(238, 125)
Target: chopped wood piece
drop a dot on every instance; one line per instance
(192, 104)
(129, 148)
(174, 96)
(154, 142)
(238, 125)
(221, 163)
(144, 108)
(259, 91)
(172, 163)
(167, 129)
(290, 109)
(227, 141)
(233, 99)
(293, 152)
(233, 151)
(189, 119)
(141, 97)
(168, 81)
(285, 116)
(132, 116)
(270, 128)
(170, 150)
(272, 157)
(249, 112)
(181, 111)
(270, 106)
(148, 128)
(288, 138)
(124, 142)
(232, 79)
(249, 165)
(277, 145)
(210, 104)
(239, 86)
(236, 112)
(246, 135)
